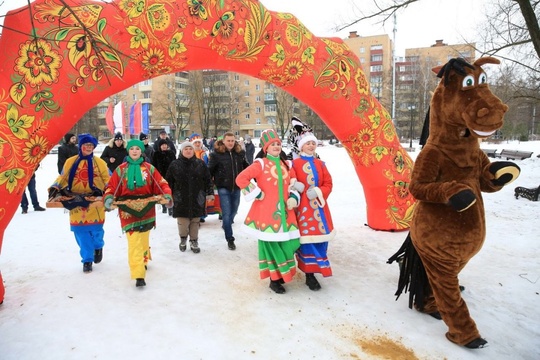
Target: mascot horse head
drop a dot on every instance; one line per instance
(463, 108)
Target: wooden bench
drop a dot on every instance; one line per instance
(490, 152)
(514, 154)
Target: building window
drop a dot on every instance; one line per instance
(147, 82)
(258, 110)
(236, 121)
(246, 82)
(246, 105)
(134, 97)
(246, 93)
(376, 47)
(376, 58)
(257, 98)
(258, 121)
(257, 87)
(256, 133)
(375, 68)
(362, 50)
(362, 60)
(236, 77)
(247, 117)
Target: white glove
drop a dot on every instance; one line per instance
(297, 185)
(311, 193)
(108, 203)
(292, 202)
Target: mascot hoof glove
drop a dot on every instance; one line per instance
(504, 171)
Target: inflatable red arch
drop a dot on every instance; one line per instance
(54, 56)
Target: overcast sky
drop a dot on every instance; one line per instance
(419, 25)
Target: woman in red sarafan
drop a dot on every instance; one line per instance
(313, 214)
(271, 218)
(135, 180)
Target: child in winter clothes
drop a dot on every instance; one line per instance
(132, 180)
(313, 214)
(271, 217)
(189, 179)
(162, 158)
(85, 174)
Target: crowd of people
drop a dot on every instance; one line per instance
(289, 215)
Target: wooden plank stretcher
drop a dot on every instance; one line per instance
(56, 202)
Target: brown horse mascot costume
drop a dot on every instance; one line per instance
(449, 175)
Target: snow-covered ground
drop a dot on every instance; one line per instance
(213, 305)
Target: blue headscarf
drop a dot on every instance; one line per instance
(84, 139)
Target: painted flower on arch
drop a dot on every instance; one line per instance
(294, 70)
(35, 149)
(153, 58)
(38, 63)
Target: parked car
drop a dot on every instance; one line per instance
(54, 150)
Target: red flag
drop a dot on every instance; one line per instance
(109, 118)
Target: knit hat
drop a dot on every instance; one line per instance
(185, 144)
(135, 142)
(118, 136)
(162, 132)
(143, 136)
(304, 138)
(267, 137)
(68, 137)
(195, 137)
(87, 138)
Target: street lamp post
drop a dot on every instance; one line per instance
(411, 109)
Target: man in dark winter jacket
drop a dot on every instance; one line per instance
(148, 150)
(163, 136)
(115, 152)
(68, 149)
(162, 159)
(191, 185)
(250, 150)
(226, 162)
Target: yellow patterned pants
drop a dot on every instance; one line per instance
(138, 253)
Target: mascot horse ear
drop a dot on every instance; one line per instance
(486, 60)
(437, 69)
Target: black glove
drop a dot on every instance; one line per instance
(504, 171)
(53, 192)
(462, 200)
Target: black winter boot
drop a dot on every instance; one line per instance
(194, 245)
(98, 256)
(477, 343)
(183, 246)
(140, 282)
(312, 283)
(230, 243)
(163, 209)
(87, 267)
(276, 286)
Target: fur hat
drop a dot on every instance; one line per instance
(118, 136)
(87, 138)
(135, 142)
(68, 137)
(267, 137)
(161, 142)
(195, 137)
(304, 138)
(143, 136)
(185, 144)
